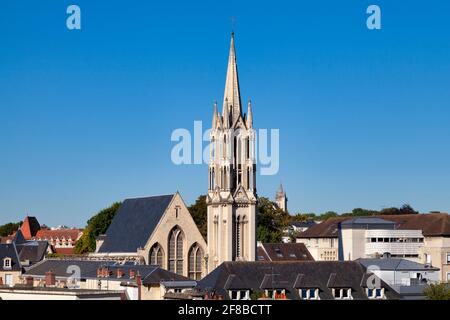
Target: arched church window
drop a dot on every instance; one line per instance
(195, 262)
(247, 148)
(156, 255)
(176, 241)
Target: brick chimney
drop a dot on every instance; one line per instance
(99, 272)
(139, 285)
(132, 273)
(105, 272)
(50, 278)
(29, 281)
(120, 273)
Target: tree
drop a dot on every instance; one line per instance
(270, 221)
(9, 228)
(437, 291)
(96, 225)
(326, 215)
(199, 213)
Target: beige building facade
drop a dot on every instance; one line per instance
(436, 252)
(176, 244)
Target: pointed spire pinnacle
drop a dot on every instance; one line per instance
(232, 92)
(280, 191)
(225, 115)
(214, 121)
(249, 115)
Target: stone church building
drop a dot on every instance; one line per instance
(160, 231)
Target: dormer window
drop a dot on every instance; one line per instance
(342, 293)
(7, 263)
(309, 294)
(239, 294)
(376, 293)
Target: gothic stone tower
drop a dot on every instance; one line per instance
(232, 194)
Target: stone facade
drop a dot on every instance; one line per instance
(232, 197)
(176, 218)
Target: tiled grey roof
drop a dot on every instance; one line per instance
(9, 251)
(18, 238)
(291, 276)
(134, 223)
(150, 274)
(303, 224)
(395, 264)
(283, 252)
(33, 251)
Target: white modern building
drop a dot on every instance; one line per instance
(406, 277)
(375, 237)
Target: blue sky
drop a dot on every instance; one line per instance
(86, 116)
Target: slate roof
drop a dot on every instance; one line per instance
(291, 276)
(150, 274)
(431, 224)
(396, 264)
(133, 223)
(33, 251)
(9, 251)
(303, 224)
(283, 252)
(367, 220)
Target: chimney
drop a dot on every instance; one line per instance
(50, 278)
(105, 272)
(99, 272)
(139, 285)
(29, 281)
(132, 273)
(120, 273)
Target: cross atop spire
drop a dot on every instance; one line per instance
(232, 96)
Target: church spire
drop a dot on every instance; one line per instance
(232, 92)
(249, 115)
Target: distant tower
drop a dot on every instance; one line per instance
(281, 199)
(232, 197)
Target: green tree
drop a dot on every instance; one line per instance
(304, 217)
(437, 291)
(9, 228)
(270, 221)
(200, 215)
(326, 215)
(96, 225)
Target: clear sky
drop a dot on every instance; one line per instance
(86, 116)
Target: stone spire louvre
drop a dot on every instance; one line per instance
(232, 96)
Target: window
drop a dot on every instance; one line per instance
(278, 252)
(448, 257)
(7, 263)
(275, 294)
(156, 256)
(176, 251)
(309, 294)
(177, 211)
(342, 294)
(239, 294)
(195, 262)
(377, 293)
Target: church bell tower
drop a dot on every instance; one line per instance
(232, 197)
